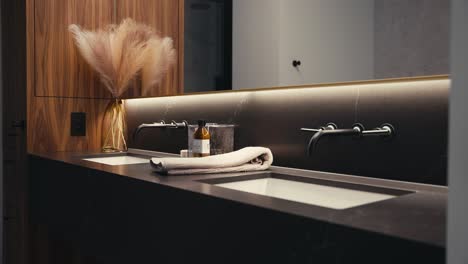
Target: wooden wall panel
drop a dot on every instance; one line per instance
(48, 118)
(60, 82)
(49, 123)
(164, 16)
(60, 70)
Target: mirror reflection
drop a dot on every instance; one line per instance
(236, 44)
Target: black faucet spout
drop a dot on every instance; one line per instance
(314, 140)
(162, 124)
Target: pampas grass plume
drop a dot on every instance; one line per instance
(119, 52)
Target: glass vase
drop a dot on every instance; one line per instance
(114, 127)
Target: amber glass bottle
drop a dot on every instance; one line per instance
(201, 140)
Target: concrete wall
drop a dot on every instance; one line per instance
(411, 38)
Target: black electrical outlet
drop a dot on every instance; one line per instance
(78, 124)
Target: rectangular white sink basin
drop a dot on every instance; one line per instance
(118, 160)
(329, 194)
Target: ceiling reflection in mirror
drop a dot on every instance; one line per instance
(237, 44)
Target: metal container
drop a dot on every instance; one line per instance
(221, 141)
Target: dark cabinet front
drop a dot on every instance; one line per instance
(117, 219)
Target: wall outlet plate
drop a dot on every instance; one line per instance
(78, 124)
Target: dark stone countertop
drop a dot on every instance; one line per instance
(419, 216)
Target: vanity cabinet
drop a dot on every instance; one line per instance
(117, 219)
(59, 69)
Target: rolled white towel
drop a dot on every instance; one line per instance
(246, 159)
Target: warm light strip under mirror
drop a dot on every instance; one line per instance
(308, 193)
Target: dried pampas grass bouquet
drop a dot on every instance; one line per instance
(119, 53)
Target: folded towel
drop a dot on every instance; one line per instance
(246, 159)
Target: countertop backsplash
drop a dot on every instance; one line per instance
(418, 109)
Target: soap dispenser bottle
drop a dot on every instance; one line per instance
(201, 140)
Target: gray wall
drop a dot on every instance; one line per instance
(458, 147)
(255, 47)
(411, 38)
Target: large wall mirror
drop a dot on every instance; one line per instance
(237, 44)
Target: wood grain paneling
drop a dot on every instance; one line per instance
(60, 70)
(181, 50)
(48, 118)
(60, 82)
(162, 15)
(49, 123)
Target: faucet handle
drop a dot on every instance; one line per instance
(329, 126)
(174, 124)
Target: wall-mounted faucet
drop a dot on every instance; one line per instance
(161, 124)
(357, 130)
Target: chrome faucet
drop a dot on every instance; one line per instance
(357, 130)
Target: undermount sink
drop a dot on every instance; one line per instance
(118, 160)
(312, 191)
